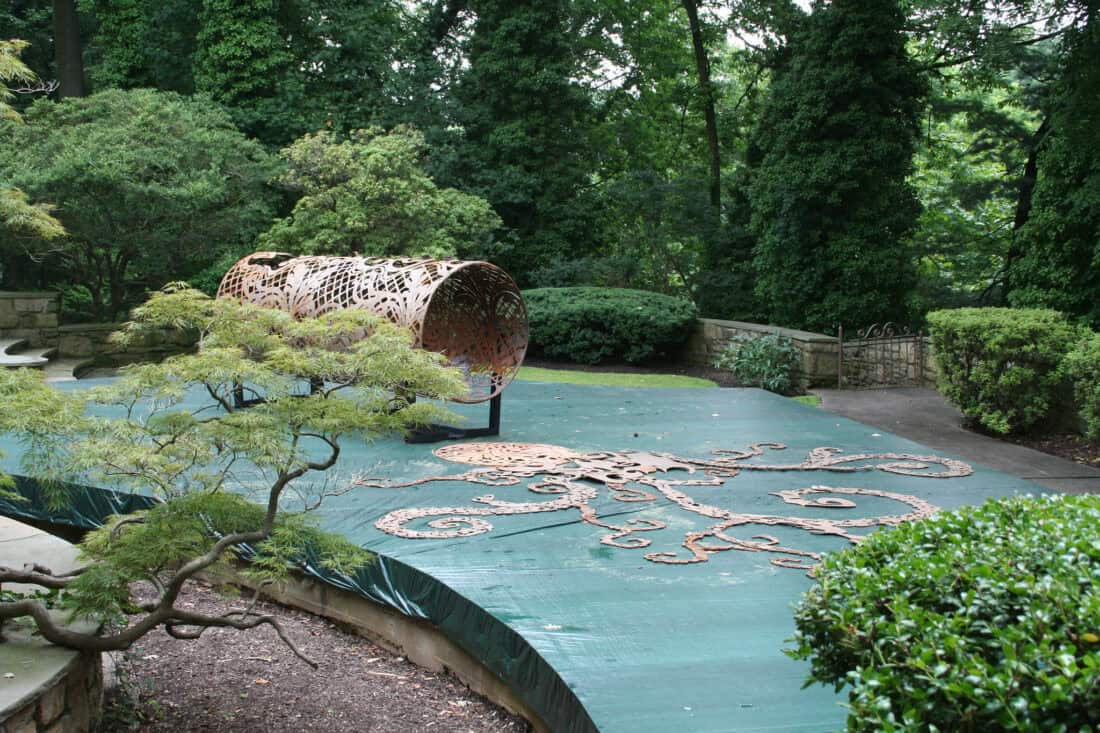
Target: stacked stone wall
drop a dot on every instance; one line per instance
(818, 366)
(71, 702)
(30, 316)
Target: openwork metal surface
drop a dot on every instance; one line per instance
(472, 312)
(571, 481)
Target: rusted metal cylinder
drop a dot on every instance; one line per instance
(471, 312)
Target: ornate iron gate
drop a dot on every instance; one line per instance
(881, 355)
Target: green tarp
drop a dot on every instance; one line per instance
(596, 636)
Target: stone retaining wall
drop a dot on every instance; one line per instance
(819, 352)
(34, 317)
(92, 341)
(30, 316)
(70, 703)
(909, 361)
(45, 688)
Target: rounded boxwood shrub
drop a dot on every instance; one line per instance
(1083, 367)
(588, 324)
(1002, 367)
(986, 618)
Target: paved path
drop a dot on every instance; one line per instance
(925, 416)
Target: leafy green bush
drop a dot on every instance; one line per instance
(1002, 367)
(986, 618)
(769, 361)
(1083, 367)
(587, 325)
(152, 187)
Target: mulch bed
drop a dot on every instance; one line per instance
(249, 682)
(1070, 446)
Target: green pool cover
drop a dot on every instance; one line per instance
(645, 583)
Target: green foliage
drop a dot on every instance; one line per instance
(769, 361)
(20, 216)
(133, 44)
(525, 122)
(1059, 266)
(230, 482)
(973, 620)
(658, 229)
(1083, 368)
(1002, 367)
(11, 69)
(150, 186)
(280, 67)
(175, 532)
(967, 179)
(369, 195)
(588, 325)
(242, 61)
(833, 145)
(17, 214)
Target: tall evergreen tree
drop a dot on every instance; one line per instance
(242, 60)
(830, 207)
(1059, 245)
(526, 129)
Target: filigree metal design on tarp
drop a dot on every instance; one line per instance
(572, 478)
(472, 312)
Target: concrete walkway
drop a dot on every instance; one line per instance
(925, 416)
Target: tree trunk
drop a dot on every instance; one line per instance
(702, 66)
(67, 51)
(1023, 201)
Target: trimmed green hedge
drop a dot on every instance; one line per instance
(1083, 368)
(588, 325)
(1002, 367)
(982, 619)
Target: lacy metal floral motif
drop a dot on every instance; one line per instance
(570, 480)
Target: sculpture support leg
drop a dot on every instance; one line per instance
(435, 433)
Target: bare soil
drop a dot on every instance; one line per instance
(232, 681)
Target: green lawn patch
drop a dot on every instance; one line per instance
(808, 399)
(610, 379)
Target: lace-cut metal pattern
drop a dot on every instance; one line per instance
(571, 479)
(472, 312)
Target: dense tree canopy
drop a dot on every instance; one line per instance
(150, 186)
(18, 216)
(760, 157)
(1059, 251)
(830, 205)
(369, 195)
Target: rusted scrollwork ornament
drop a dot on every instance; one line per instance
(571, 479)
(471, 312)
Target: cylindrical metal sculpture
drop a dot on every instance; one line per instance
(471, 312)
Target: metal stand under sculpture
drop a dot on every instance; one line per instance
(471, 312)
